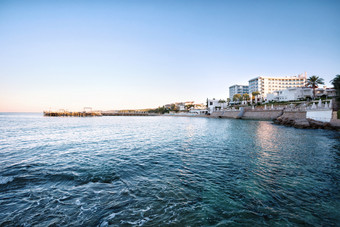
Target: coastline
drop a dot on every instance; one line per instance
(290, 118)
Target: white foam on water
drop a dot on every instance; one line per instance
(104, 224)
(78, 202)
(5, 180)
(111, 216)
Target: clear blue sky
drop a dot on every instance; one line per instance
(136, 54)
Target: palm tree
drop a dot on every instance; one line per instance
(255, 94)
(313, 82)
(336, 84)
(237, 97)
(245, 96)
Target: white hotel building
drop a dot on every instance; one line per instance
(267, 85)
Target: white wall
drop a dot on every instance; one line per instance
(320, 115)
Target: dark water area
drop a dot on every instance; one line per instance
(165, 171)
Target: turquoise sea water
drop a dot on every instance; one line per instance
(159, 171)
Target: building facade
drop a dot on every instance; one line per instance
(215, 105)
(267, 85)
(290, 94)
(238, 89)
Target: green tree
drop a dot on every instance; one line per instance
(221, 101)
(228, 100)
(245, 96)
(336, 84)
(255, 94)
(237, 97)
(313, 82)
(188, 107)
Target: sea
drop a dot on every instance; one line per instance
(165, 171)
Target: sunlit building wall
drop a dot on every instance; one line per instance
(266, 85)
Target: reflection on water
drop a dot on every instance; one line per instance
(165, 171)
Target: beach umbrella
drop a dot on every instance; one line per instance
(313, 106)
(326, 105)
(320, 104)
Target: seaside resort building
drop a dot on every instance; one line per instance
(215, 105)
(290, 94)
(266, 85)
(238, 89)
(297, 93)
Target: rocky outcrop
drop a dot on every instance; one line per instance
(305, 123)
(301, 123)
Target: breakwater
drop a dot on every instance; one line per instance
(92, 114)
(71, 114)
(129, 114)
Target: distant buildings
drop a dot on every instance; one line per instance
(329, 92)
(184, 106)
(214, 105)
(291, 94)
(238, 89)
(266, 85)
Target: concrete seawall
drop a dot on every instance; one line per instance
(226, 114)
(249, 114)
(287, 117)
(294, 114)
(261, 114)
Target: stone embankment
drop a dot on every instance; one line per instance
(287, 117)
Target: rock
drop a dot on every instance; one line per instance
(316, 124)
(301, 123)
(305, 123)
(288, 121)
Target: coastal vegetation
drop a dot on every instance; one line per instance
(314, 82)
(336, 84)
(237, 97)
(255, 94)
(245, 96)
(160, 110)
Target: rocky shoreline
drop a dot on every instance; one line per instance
(305, 123)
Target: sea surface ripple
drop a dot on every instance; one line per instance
(165, 171)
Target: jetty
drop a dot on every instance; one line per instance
(87, 112)
(129, 114)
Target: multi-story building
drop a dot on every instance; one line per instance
(266, 85)
(291, 94)
(237, 89)
(216, 104)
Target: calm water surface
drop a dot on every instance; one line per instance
(174, 171)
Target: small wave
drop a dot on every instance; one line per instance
(5, 180)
